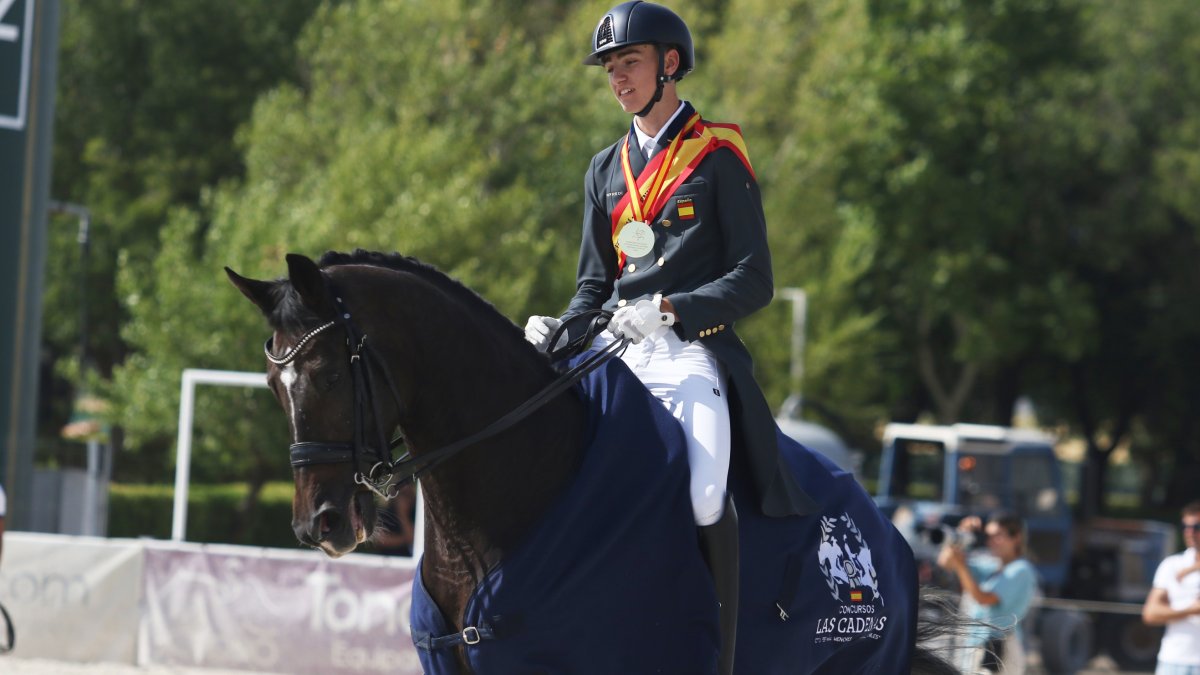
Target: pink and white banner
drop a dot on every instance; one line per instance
(148, 602)
(276, 611)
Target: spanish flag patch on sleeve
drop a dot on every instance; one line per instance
(686, 208)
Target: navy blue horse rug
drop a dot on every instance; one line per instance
(612, 582)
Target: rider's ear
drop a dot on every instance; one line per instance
(261, 293)
(308, 281)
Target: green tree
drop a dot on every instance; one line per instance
(1138, 235)
(150, 95)
(963, 181)
(981, 199)
(453, 145)
(1017, 183)
(783, 71)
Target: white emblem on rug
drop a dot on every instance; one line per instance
(845, 559)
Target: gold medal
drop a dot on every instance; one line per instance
(635, 239)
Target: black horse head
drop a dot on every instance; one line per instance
(452, 364)
(313, 384)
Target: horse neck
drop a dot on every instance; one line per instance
(460, 374)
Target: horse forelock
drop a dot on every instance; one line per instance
(290, 315)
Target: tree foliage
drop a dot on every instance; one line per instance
(981, 199)
(150, 94)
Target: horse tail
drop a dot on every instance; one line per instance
(925, 661)
(939, 625)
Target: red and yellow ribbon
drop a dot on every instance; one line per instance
(646, 196)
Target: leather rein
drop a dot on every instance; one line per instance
(386, 476)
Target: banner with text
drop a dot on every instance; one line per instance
(276, 611)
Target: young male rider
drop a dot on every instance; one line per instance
(678, 261)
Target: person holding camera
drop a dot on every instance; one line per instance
(998, 590)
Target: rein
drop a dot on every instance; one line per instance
(381, 478)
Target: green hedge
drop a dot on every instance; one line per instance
(145, 511)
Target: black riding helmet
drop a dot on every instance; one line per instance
(636, 23)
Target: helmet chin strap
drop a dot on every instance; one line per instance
(662, 79)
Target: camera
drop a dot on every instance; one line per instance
(945, 535)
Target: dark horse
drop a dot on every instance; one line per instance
(441, 364)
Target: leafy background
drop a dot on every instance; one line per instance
(982, 200)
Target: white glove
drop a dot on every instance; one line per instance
(639, 320)
(539, 330)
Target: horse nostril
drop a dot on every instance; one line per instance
(324, 522)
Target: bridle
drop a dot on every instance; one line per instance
(386, 476)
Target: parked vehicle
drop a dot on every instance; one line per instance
(1094, 575)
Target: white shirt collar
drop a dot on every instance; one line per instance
(643, 138)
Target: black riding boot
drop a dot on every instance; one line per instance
(719, 543)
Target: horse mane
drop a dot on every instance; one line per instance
(487, 312)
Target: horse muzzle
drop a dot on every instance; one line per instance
(337, 530)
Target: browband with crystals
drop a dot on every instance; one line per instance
(291, 353)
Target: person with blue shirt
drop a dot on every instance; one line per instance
(998, 590)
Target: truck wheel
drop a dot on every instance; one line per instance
(1131, 643)
(1066, 637)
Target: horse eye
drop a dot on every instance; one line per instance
(331, 381)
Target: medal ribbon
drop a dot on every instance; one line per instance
(670, 169)
(656, 179)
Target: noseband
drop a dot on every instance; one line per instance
(386, 477)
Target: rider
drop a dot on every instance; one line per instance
(677, 262)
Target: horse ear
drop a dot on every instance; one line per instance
(261, 293)
(308, 281)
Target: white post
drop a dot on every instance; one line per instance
(91, 489)
(799, 300)
(183, 456)
(183, 452)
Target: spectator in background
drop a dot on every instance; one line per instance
(997, 592)
(1174, 602)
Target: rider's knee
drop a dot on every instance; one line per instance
(708, 504)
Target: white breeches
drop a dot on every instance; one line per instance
(691, 384)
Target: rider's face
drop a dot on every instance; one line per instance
(632, 74)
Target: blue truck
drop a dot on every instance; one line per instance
(1094, 575)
